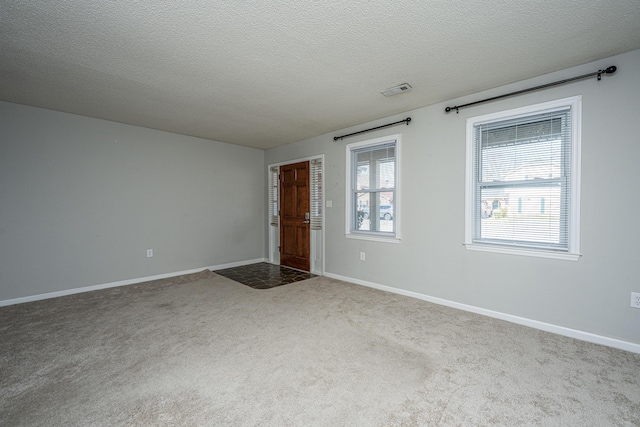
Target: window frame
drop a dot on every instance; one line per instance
(572, 251)
(379, 236)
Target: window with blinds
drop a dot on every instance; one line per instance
(316, 194)
(273, 195)
(372, 174)
(523, 178)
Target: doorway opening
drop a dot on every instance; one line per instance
(296, 217)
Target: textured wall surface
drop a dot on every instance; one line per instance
(589, 295)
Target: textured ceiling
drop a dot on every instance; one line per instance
(269, 73)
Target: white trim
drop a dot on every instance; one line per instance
(231, 265)
(575, 104)
(522, 251)
(292, 161)
(397, 214)
(576, 173)
(83, 289)
(547, 327)
(274, 232)
(372, 237)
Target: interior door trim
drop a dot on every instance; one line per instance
(318, 239)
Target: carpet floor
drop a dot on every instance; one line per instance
(203, 350)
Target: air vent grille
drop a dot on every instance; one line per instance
(404, 87)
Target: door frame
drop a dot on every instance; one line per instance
(317, 237)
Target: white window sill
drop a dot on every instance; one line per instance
(372, 237)
(539, 253)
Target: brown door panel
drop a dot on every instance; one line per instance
(294, 225)
(302, 238)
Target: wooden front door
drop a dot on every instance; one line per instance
(294, 216)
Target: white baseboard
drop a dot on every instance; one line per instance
(125, 282)
(548, 327)
(236, 264)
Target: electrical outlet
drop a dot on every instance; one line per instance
(362, 256)
(149, 253)
(635, 299)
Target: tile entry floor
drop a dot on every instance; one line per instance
(264, 275)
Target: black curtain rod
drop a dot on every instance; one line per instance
(408, 119)
(599, 73)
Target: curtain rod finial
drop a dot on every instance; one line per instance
(609, 70)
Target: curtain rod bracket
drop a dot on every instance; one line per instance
(609, 70)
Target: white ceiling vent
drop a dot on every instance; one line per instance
(404, 87)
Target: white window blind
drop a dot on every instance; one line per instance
(522, 181)
(316, 194)
(273, 195)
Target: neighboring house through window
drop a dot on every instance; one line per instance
(373, 190)
(523, 180)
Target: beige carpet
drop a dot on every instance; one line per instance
(204, 350)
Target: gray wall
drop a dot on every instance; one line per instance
(591, 295)
(82, 199)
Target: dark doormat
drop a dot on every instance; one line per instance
(264, 275)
